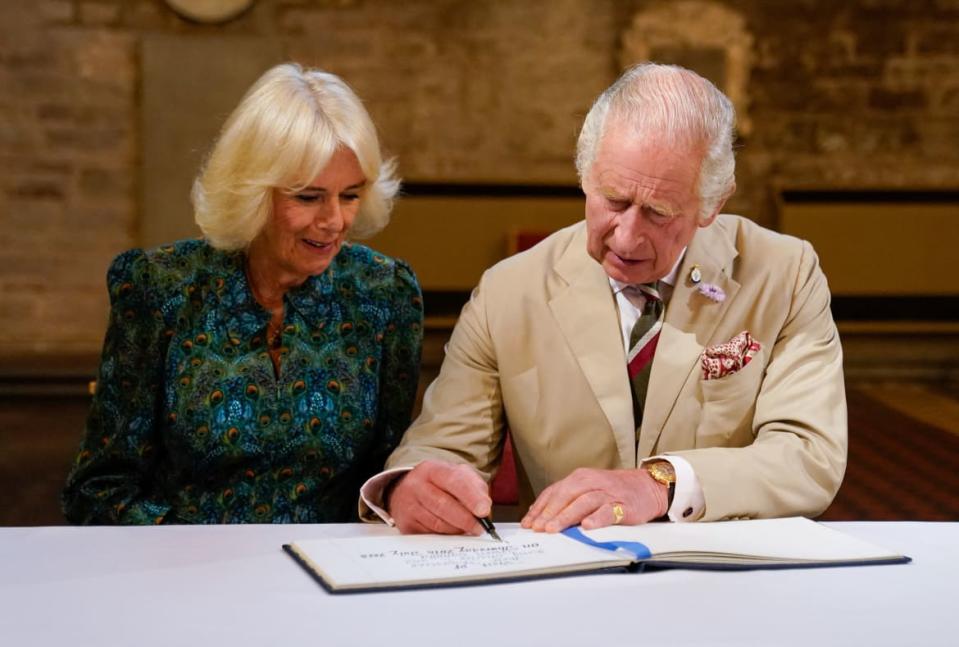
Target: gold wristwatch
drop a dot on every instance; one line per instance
(663, 472)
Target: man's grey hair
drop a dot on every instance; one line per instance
(671, 102)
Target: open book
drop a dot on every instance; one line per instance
(414, 561)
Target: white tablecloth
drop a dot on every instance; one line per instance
(234, 586)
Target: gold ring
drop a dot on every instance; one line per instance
(618, 514)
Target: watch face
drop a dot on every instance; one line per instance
(662, 472)
(209, 11)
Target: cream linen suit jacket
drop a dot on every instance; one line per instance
(538, 349)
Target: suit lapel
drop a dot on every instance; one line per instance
(690, 321)
(585, 311)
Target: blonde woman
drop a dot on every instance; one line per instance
(260, 374)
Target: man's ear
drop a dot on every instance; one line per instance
(718, 208)
(585, 183)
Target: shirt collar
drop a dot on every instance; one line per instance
(311, 298)
(669, 279)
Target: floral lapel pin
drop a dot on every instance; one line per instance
(713, 292)
(708, 290)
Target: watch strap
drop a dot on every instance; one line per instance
(670, 492)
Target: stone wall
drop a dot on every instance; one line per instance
(859, 93)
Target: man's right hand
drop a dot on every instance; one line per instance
(443, 498)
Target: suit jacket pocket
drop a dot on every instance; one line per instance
(729, 404)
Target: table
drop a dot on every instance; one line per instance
(233, 585)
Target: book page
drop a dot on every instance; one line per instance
(409, 559)
(793, 539)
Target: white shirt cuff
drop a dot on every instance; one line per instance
(689, 504)
(371, 495)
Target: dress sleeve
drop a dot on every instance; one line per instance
(113, 469)
(400, 365)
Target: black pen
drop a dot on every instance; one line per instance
(488, 526)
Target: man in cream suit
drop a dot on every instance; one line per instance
(741, 412)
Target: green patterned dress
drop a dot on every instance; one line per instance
(190, 423)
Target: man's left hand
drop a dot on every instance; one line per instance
(589, 497)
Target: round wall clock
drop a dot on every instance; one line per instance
(209, 11)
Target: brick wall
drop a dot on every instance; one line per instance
(67, 170)
(860, 93)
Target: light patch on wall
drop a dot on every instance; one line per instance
(706, 37)
(189, 87)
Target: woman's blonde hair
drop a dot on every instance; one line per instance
(282, 134)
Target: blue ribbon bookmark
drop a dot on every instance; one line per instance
(638, 550)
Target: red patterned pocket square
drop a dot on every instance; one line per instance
(725, 359)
